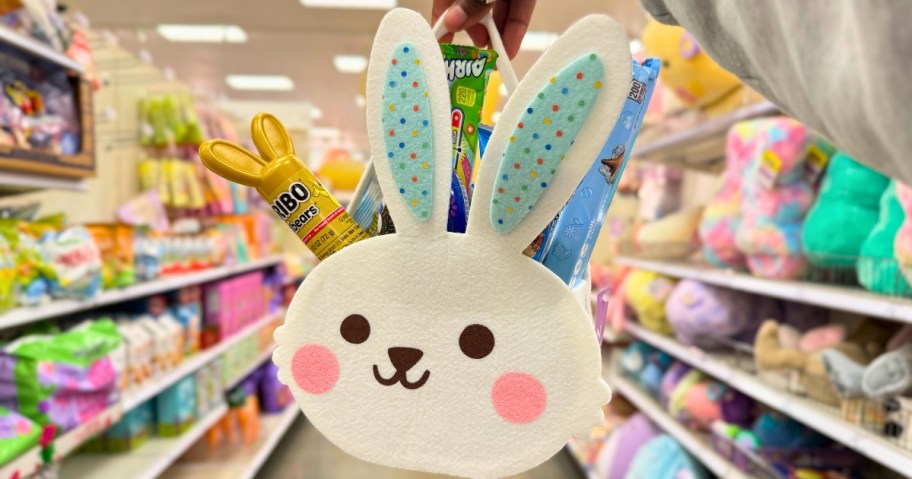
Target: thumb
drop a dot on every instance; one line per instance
(465, 14)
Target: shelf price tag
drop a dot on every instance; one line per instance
(770, 164)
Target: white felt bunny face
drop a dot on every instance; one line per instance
(455, 353)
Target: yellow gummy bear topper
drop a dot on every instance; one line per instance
(286, 184)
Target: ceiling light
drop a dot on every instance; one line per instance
(315, 113)
(260, 82)
(350, 63)
(635, 46)
(355, 4)
(537, 41)
(325, 132)
(203, 33)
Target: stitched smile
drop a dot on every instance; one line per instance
(399, 377)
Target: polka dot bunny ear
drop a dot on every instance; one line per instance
(408, 110)
(550, 132)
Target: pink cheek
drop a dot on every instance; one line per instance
(315, 368)
(518, 397)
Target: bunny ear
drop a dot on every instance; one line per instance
(232, 162)
(270, 137)
(550, 132)
(407, 118)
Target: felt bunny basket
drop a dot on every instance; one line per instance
(455, 353)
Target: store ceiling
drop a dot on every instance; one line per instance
(286, 38)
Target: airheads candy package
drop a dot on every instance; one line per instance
(467, 70)
(567, 242)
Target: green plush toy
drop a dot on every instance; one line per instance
(845, 212)
(877, 269)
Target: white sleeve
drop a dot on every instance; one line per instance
(842, 67)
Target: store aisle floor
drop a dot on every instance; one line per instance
(305, 454)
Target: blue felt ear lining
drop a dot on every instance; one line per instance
(540, 140)
(408, 130)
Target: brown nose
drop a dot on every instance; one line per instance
(404, 358)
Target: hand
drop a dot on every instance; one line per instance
(511, 17)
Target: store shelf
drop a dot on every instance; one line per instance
(854, 300)
(811, 413)
(198, 360)
(239, 461)
(696, 445)
(71, 440)
(56, 309)
(266, 355)
(13, 182)
(703, 146)
(29, 463)
(148, 461)
(38, 49)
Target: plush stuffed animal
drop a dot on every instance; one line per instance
(890, 374)
(665, 458)
(646, 365)
(701, 314)
(777, 194)
(397, 326)
(631, 436)
(676, 401)
(877, 267)
(830, 358)
(672, 237)
(845, 211)
(773, 429)
(688, 71)
(670, 380)
(711, 401)
(902, 245)
(660, 191)
(722, 215)
(646, 293)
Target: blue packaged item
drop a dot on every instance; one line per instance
(484, 134)
(367, 202)
(458, 216)
(566, 244)
(176, 407)
(459, 199)
(131, 431)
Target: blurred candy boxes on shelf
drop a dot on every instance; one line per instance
(64, 378)
(18, 434)
(139, 345)
(175, 407)
(115, 245)
(230, 305)
(187, 308)
(209, 386)
(127, 434)
(274, 396)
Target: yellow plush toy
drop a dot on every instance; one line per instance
(646, 293)
(688, 71)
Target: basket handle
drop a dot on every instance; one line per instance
(503, 61)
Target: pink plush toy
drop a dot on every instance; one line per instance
(660, 191)
(902, 244)
(722, 215)
(777, 193)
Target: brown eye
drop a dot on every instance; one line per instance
(355, 329)
(476, 341)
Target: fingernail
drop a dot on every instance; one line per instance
(455, 18)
